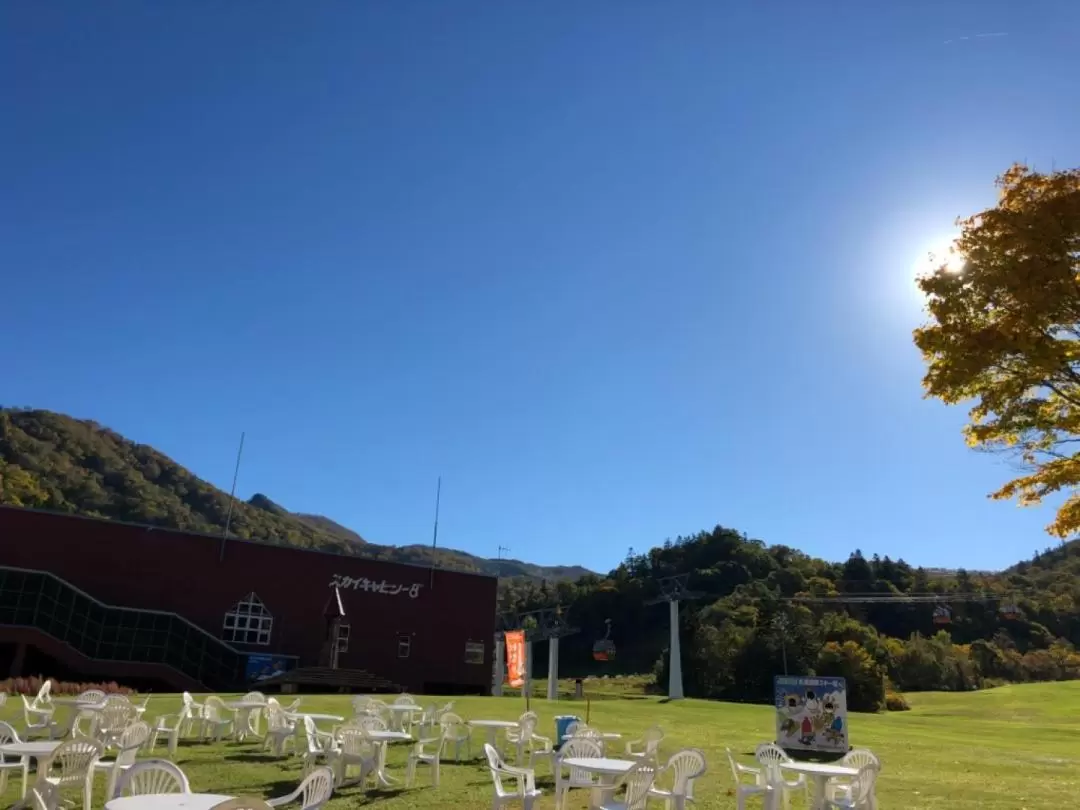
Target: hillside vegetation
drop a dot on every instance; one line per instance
(54, 462)
(749, 618)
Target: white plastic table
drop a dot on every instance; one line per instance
(243, 709)
(819, 774)
(41, 751)
(398, 713)
(167, 801)
(608, 769)
(492, 727)
(86, 705)
(329, 718)
(385, 737)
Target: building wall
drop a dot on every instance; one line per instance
(141, 567)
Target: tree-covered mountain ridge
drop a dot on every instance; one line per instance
(59, 463)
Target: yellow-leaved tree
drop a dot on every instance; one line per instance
(1004, 331)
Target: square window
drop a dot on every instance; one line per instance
(474, 652)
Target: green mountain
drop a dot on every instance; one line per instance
(58, 463)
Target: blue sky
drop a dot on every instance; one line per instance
(617, 271)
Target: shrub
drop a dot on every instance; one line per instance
(896, 702)
(30, 686)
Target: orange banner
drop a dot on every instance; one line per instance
(515, 658)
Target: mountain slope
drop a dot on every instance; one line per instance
(55, 462)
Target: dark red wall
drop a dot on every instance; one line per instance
(136, 566)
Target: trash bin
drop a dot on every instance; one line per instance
(579, 689)
(562, 723)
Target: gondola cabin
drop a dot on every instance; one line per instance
(942, 615)
(1010, 610)
(604, 649)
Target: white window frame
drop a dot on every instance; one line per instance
(344, 630)
(404, 645)
(248, 622)
(474, 647)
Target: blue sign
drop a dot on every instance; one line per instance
(811, 713)
(260, 667)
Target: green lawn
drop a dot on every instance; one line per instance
(1008, 748)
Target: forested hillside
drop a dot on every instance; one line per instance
(1019, 625)
(54, 462)
(869, 619)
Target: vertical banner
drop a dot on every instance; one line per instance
(811, 714)
(515, 658)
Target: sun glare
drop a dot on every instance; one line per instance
(940, 253)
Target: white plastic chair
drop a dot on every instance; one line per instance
(40, 796)
(279, 731)
(635, 785)
(215, 723)
(648, 747)
(513, 735)
(743, 791)
(36, 719)
(531, 746)
(170, 725)
(355, 748)
(131, 740)
(456, 732)
(91, 696)
(194, 714)
(8, 765)
(44, 695)
(72, 764)
(855, 758)
(319, 744)
(3, 699)
(427, 751)
(112, 721)
(242, 803)
(684, 766)
(152, 777)
(140, 708)
(859, 795)
(575, 748)
(525, 781)
(313, 792)
(771, 756)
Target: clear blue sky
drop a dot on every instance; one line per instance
(617, 271)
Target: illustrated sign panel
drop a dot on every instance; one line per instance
(376, 586)
(260, 667)
(515, 658)
(811, 713)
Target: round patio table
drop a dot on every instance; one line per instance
(608, 769)
(40, 751)
(819, 774)
(167, 801)
(492, 727)
(385, 737)
(328, 718)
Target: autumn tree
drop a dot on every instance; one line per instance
(1004, 331)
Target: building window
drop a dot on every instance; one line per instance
(249, 622)
(474, 652)
(343, 638)
(404, 646)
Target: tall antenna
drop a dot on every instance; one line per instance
(232, 499)
(435, 533)
(498, 564)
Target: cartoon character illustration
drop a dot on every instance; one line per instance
(807, 736)
(832, 722)
(791, 706)
(812, 704)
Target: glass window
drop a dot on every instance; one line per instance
(343, 638)
(474, 652)
(249, 622)
(404, 646)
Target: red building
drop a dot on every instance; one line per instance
(100, 599)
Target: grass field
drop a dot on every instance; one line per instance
(1008, 748)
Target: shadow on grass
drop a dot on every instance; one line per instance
(266, 759)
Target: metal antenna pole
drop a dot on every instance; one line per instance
(498, 564)
(232, 499)
(435, 532)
